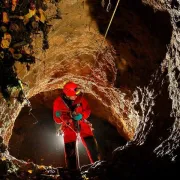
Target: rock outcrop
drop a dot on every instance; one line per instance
(141, 49)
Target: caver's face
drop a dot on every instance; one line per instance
(72, 97)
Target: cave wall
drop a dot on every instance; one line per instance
(75, 38)
(139, 36)
(74, 43)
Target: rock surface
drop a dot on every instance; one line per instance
(136, 48)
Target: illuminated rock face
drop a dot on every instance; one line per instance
(76, 54)
(109, 73)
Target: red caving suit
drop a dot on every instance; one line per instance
(83, 108)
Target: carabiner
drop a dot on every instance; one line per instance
(109, 6)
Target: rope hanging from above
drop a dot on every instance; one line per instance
(107, 30)
(106, 33)
(110, 21)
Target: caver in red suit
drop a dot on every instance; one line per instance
(70, 109)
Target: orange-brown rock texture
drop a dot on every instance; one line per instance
(75, 54)
(115, 73)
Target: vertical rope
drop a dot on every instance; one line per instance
(110, 21)
(87, 150)
(77, 151)
(107, 30)
(65, 155)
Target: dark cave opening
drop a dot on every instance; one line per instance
(34, 137)
(139, 35)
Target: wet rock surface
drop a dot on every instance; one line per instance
(148, 114)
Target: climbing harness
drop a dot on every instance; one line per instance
(79, 140)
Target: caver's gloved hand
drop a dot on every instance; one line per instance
(59, 130)
(77, 116)
(58, 114)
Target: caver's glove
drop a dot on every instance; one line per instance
(59, 130)
(77, 117)
(58, 114)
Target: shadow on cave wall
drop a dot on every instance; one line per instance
(139, 159)
(36, 141)
(139, 35)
